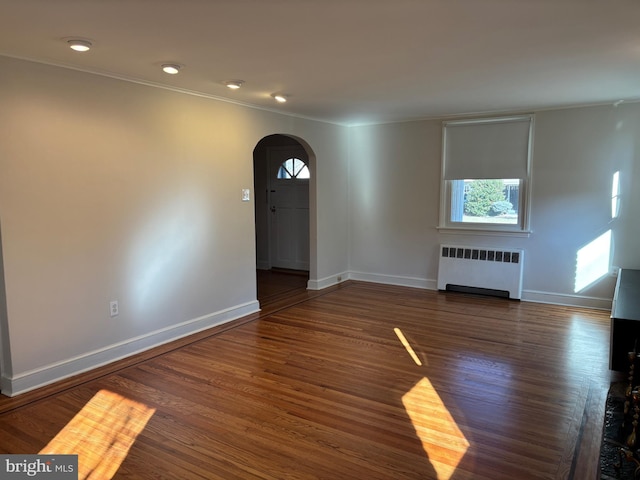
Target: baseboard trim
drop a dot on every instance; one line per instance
(327, 281)
(402, 281)
(27, 381)
(263, 265)
(534, 296)
(596, 303)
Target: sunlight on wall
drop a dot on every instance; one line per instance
(101, 434)
(615, 195)
(593, 261)
(441, 438)
(165, 249)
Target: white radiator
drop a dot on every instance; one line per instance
(481, 269)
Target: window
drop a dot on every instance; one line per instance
(486, 174)
(293, 168)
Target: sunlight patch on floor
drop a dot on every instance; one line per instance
(441, 438)
(407, 346)
(101, 434)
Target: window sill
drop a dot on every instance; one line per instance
(484, 231)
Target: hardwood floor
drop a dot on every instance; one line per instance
(277, 284)
(325, 389)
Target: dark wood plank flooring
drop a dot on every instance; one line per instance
(278, 284)
(319, 386)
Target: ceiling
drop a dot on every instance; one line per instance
(349, 61)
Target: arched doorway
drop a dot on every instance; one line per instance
(282, 178)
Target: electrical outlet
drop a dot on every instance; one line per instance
(113, 308)
(246, 194)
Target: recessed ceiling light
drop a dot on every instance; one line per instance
(79, 45)
(171, 68)
(234, 84)
(280, 97)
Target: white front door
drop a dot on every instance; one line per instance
(288, 194)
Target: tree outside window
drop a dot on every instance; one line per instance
(488, 201)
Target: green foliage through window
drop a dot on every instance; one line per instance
(501, 207)
(482, 195)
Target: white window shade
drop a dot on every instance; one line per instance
(496, 148)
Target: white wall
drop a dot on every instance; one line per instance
(576, 154)
(114, 190)
(394, 197)
(393, 202)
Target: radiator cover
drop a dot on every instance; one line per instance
(486, 270)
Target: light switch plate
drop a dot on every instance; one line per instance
(246, 194)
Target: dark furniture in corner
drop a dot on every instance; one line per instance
(625, 319)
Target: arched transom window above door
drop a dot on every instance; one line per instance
(293, 168)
